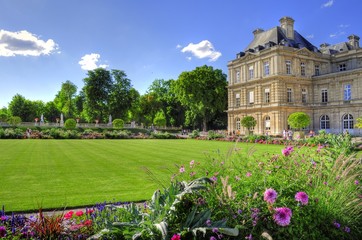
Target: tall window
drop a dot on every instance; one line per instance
(316, 70)
(347, 92)
(304, 95)
(238, 124)
(267, 95)
(251, 72)
(237, 77)
(324, 95)
(289, 95)
(288, 67)
(302, 69)
(237, 100)
(342, 67)
(251, 97)
(267, 123)
(348, 121)
(266, 68)
(324, 122)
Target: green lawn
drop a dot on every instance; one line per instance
(70, 173)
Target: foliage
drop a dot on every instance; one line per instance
(211, 134)
(160, 119)
(299, 120)
(195, 134)
(248, 122)
(65, 99)
(162, 135)
(202, 92)
(19, 106)
(359, 122)
(70, 123)
(118, 123)
(14, 120)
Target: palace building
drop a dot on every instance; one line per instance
(280, 72)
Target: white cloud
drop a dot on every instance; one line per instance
(89, 62)
(333, 35)
(178, 46)
(24, 43)
(203, 49)
(343, 25)
(310, 36)
(328, 4)
(189, 58)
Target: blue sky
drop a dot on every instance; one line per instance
(46, 42)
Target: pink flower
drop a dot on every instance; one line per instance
(176, 237)
(79, 213)
(213, 178)
(356, 182)
(301, 197)
(182, 169)
(88, 222)
(192, 163)
(270, 195)
(282, 216)
(68, 215)
(287, 151)
(248, 174)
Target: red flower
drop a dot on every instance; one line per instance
(87, 222)
(176, 237)
(68, 215)
(89, 211)
(79, 213)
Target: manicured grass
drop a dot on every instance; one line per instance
(70, 173)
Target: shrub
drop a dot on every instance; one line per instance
(298, 120)
(14, 120)
(118, 123)
(214, 135)
(70, 123)
(195, 134)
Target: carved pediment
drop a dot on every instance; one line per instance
(304, 52)
(249, 56)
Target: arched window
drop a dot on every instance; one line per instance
(324, 122)
(347, 121)
(267, 123)
(238, 125)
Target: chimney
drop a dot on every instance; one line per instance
(354, 41)
(257, 31)
(287, 24)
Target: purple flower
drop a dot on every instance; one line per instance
(301, 197)
(212, 238)
(182, 169)
(337, 225)
(282, 216)
(356, 182)
(270, 195)
(215, 230)
(2, 231)
(240, 211)
(208, 222)
(347, 229)
(249, 237)
(287, 151)
(213, 178)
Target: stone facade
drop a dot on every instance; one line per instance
(280, 72)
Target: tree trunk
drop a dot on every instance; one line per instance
(204, 125)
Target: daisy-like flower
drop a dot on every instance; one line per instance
(182, 169)
(282, 216)
(270, 195)
(301, 197)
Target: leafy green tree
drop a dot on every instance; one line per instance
(160, 119)
(51, 112)
(202, 92)
(298, 120)
(64, 99)
(23, 108)
(248, 122)
(4, 114)
(134, 112)
(120, 96)
(79, 104)
(97, 88)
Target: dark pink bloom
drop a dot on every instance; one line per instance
(356, 182)
(2, 231)
(79, 213)
(248, 174)
(282, 216)
(270, 195)
(302, 197)
(68, 215)
(176, 237)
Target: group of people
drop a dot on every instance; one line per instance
(288, 134)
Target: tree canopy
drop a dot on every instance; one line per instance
(202, 92)
(298, 120)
